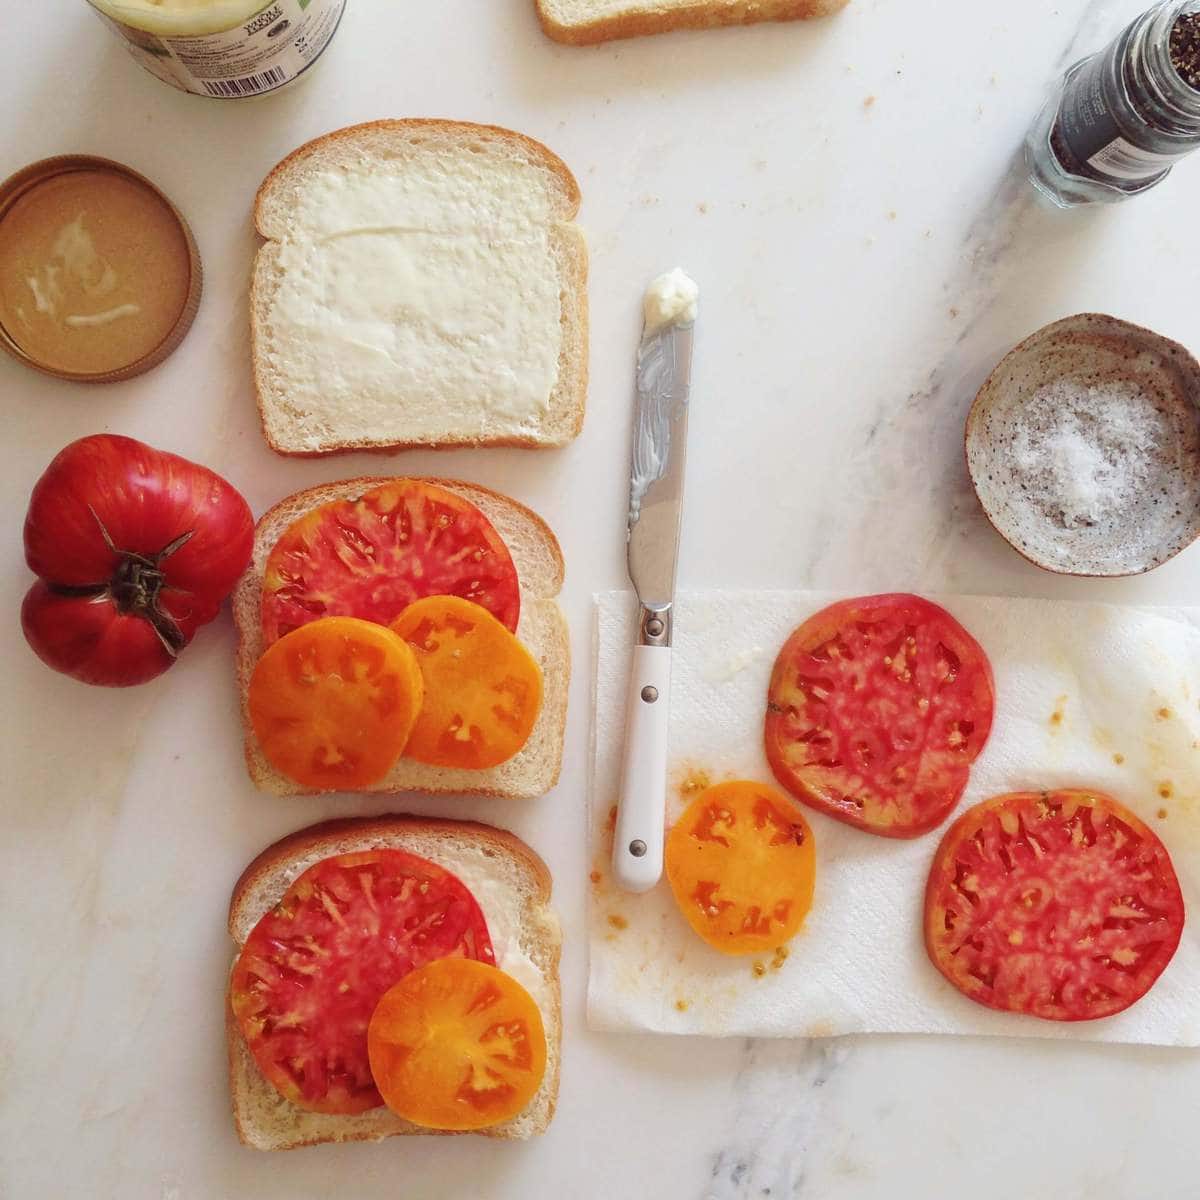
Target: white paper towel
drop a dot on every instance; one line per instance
(1125, 685)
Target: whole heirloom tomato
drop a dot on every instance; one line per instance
(135, 549)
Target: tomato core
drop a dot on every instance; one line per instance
(135, 585)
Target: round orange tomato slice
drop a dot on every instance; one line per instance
(373, 556)
(457, 1044)
(742, 863)
(332, 703)
(483, 689)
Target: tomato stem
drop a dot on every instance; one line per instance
(137, 584)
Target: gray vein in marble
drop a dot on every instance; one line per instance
(920, 510)
(777, 1102)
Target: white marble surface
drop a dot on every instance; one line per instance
(863, 267)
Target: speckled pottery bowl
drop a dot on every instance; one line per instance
(1084, 447)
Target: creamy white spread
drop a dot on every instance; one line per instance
(496, 900)
(671, 299)
(107, 317)
(76, 269)
(424, 297)
(181, 18)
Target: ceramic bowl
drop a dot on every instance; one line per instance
(1084, 447)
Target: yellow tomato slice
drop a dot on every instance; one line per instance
(457, 1044)
(333, 702)
(483, 689)
(742, 864)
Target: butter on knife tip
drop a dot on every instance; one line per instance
(673, 298)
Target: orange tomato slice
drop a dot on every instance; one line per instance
(741, 863)
(457, 1044)
(333, 702)
(483, 689)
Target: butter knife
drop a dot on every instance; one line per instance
(663, 381)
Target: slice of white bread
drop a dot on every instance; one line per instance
(512, 886)
(422, 284)
(534, 770)
(585, 22)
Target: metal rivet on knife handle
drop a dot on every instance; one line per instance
(649, 694)
(637, 848)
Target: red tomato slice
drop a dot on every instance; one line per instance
(1061, 904)
(372, 557)
(313, 969)
(876, 710)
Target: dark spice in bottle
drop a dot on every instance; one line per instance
(1185, 48)
(1125, 114)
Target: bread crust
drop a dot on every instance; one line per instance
(327, 835)
(572, 381)
(703, 14)
(551, 726)
(323, 493)
(532, 146)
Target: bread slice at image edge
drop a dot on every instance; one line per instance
(586, 22)
(390, 140)
(267, 1121)
(542, 629)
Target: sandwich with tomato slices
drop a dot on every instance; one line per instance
(402, 634)
(394, 975)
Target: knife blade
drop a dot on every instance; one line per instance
(662, 394)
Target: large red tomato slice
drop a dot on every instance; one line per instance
(136, 549)
(876, 710)
(313, 969)
(1062, 905)
(372, 557)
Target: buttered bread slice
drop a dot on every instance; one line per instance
(421, 285)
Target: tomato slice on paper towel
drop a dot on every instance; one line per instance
(1059, 904)
(372, 557)
(741, 863)
(314, 967)
(457, 1045)
(877, 708)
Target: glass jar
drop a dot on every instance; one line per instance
(1121, 119)
(229, 49)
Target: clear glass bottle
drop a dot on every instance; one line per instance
(1122, 118)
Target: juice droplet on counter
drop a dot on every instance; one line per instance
(696, 780)
(617, 921)
(682, 1005)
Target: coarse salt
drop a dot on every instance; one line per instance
(1083, 453)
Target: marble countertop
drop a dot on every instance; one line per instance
(848, 197)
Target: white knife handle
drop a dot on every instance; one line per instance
(641, 804)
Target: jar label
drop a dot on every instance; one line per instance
(1090, 135)
(1124, 160)
(260, 55)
